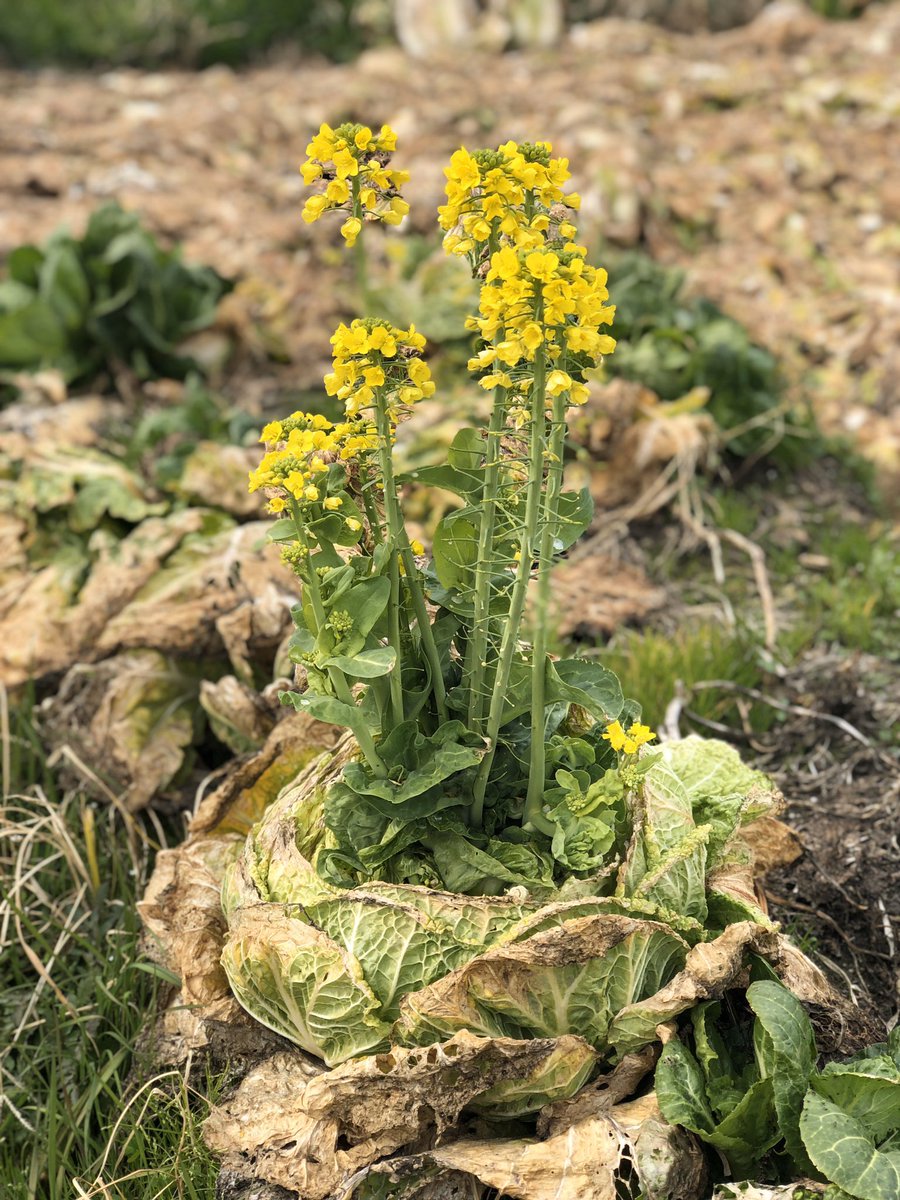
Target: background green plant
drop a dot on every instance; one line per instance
(189, 32)
(113, 297)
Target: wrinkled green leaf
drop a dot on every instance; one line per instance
(846, 1153)
(786, 1051)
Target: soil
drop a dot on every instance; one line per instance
(842, 898)
(759, 159)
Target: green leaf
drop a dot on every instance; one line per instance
(844, 1150)
(785, 1046)
(31, 336)
(580, 842)
(64, 286)
(592, 686)
(466, 451)
(454, 549)
(368, 664)
(24, 265)
(282, 530)
(439, 757)
(326, 708)
(681, 1089)
(725, 1081)
(465, 484)
(744, 1136)
(466, 868)
(575, 512)
(867, 1086)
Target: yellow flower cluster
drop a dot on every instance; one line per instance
(541, 300)
(509, 194)
(373, 359)
(299, 451)
(351, 162)
(628, 740)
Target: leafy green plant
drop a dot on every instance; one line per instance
(750, 1089)
(673, 343)
(850, 1124)
(113, 296)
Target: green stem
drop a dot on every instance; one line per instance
(370, 506)
(534, 800)
(335, 677)
(400, 541)
(527, 540)
(477, 650)
(391, 512)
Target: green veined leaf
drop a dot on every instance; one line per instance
(785, 1046)
(843, 1149)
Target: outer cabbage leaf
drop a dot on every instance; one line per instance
(666, 860)
(724, 792)
(572, 978)
(296, 980)
(843, 1148)
(563, 1073)
(867, 1086)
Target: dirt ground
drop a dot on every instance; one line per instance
(764, 160)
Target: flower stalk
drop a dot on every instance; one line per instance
(534, 799)
(527, 542)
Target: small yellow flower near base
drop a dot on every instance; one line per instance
(628, 740)
(332, 503)
(416, 546)
(352, 524)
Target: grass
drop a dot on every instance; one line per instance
(653, 666)
(79, 1114)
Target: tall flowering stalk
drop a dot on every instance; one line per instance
(540, 315)
(426, 662)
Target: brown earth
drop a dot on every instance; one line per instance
(764, 159)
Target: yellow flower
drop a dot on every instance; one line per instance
(332, 503)
(558, 382)
(337, 192)
(636, 736)
(351, 162)
(641, 734)
(311, 492)
(542, 265)
(352, 524)
(276, 505)
(350, 230)
(271, 432)
(345, 164)
(313, 208)
(416, 547)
